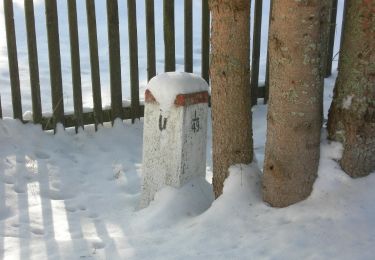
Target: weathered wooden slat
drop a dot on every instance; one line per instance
(150, 38)
(331, 39)
(1, 110)
(343, 28)
(54, 62)
(188, 25)
(94, 62)
(33, 61)
(169, 36)
(133, 57)
(75, 62)
(114, 58)
(256, 50)
(89, 117)
(12, 59)
(266, 83)
(205, 40)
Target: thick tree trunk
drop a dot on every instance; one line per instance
(351, 118)
(295, 104)
(230, 87)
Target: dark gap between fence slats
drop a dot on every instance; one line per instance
(256, 50)
(331, 39)
(94, 62)
(114, 58)
(188, 31)
(169, 36)
(150, 38)
(205, 40)
(75, 62)
(12, 59)
(133, 57)
(33, 61)
(54, 62)
(267, 79)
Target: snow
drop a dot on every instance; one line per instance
(166, 86)
(347, 102)
(76, 196)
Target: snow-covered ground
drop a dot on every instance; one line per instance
(76, 196)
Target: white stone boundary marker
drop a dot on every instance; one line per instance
(175, 132)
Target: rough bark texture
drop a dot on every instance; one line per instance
(295, 105)
(230, 87)
(351, 118)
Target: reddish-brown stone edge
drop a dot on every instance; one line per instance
(182, 99)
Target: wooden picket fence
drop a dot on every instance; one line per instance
(135, 110)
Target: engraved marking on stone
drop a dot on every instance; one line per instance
(195, 123)
(162, 123)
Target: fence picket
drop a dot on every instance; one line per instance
(33, 61)
(1, 110)
(133, 57)
(188, 25)
(12, 59)
(100, 115)
(75, 61)
(150, 38)
(54, 62)
(169, 36)
(258, 8)
(266, 83)
(205, 40)
(114, 58)
(94, 62)
(331, 39)
(343, 28)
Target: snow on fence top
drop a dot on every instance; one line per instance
(167, 86)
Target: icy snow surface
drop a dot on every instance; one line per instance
(74, 196)
(69, 196)
(166, 86)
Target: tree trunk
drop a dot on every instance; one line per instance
(295, 106)
(351, 118)
(230, 87)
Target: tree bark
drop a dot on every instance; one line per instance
(351, 118)
(230, 87)
(295, 106)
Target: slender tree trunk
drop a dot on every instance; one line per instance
(295, 105)
(230, 87)
(351, 117)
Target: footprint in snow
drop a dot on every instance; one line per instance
(8, 179)
(93, 215)
(82, 207)
(37, 231)
(41, 155)
(18, 189)
(70, 209)
(98, 244)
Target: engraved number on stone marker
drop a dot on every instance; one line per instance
(195, 123)
(162, 123)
